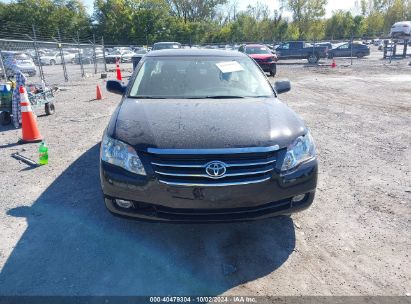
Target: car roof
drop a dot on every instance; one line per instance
(165, 42)
(402, 22)
(12, 52)
(256, 45)
(194, 52)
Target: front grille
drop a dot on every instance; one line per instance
(263, 60)
(188, 167)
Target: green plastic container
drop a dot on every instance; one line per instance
(43, 154)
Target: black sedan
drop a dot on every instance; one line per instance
(349, 50)
(201, 136)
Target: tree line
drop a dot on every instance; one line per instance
(198, 21)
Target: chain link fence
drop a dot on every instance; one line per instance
(58, 57)
(52, 61)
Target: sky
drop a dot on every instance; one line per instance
(272, 4)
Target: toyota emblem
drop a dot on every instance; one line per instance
(216, 169)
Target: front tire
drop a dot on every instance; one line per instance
(273, 70)
(52, 62)
(360, 55)
(313, 58)
(49, 108)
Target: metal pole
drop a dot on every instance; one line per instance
(146, 35)
(351, 46)
(313, 47)
(94, 54)
(104, 54)
(79, 55)
(63, 62)
(2, 66)
(38, 55)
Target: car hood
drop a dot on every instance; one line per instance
(261, 56)
(205, 123)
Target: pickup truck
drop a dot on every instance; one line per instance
(301, 50)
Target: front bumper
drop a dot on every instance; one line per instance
(28, 70)
(267, 66)
(112, 59)
(152, 200)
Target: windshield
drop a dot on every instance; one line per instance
(22, 57)
(164, 46)
(220, 77)
(257, 50)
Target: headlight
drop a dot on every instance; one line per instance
(300, 151)
(120, 154)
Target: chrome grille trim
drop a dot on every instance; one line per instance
(207, 176)
(213, 151)
(187, 167)
(204, 165)
(219, 184)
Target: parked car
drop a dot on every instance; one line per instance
(113, 56)
(401, 29)
(166, 45)
(325, 44)
(23, 62)
(376, 42)
(301, 50)
(381, 45)
(87, 57)
(140, 52)
(262, 55)
(126, 56)
(201, 136)
(344, 50)
(55, 58)
(121, 55)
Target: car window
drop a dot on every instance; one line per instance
(257, 50)
(22, 57)
(285, 46)
(296, 45)
(344, 46)
(166, 46)
(172, 77)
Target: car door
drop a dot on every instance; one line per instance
(343, 51)
(283, 51)
(296, 49)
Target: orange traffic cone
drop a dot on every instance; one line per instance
(99, 95)
(333, 65)
(118, 70)
(28, 119)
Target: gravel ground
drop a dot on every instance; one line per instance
(56, 238)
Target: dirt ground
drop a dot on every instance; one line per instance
(56, 237)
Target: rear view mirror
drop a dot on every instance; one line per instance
(282, 86)
(115, 87)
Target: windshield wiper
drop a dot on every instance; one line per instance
(147, 97)
(222, 97)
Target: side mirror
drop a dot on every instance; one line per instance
(115, 87)
(282, 86)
